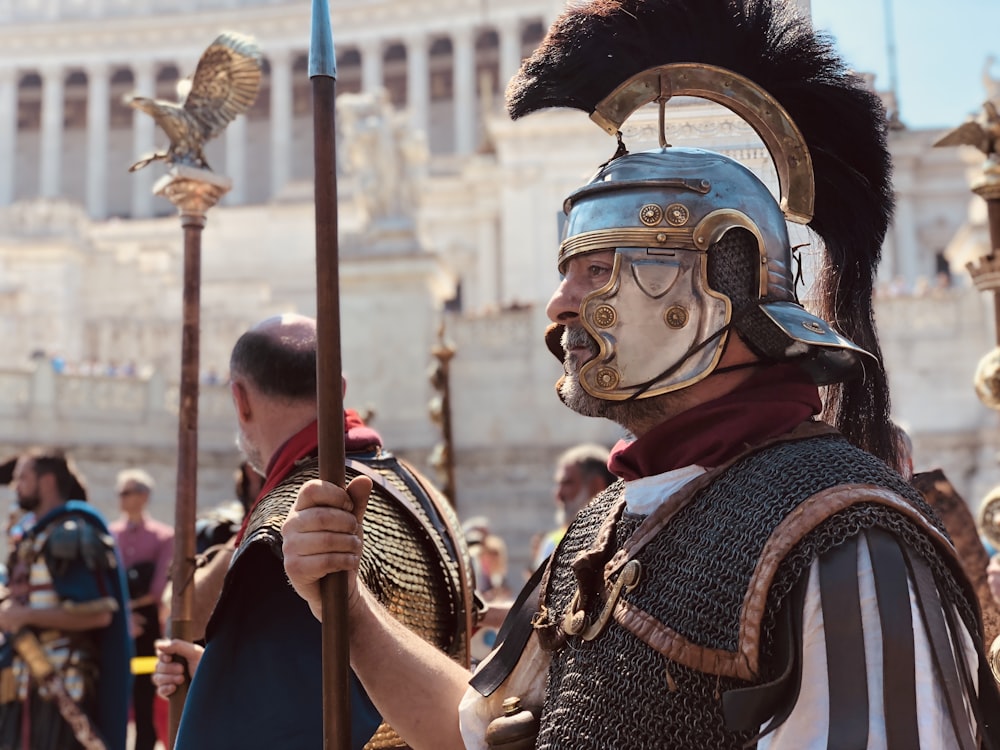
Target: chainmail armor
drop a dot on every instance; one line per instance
(616, 691)
(734, 269)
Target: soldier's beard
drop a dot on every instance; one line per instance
(28, 503)
(572, 393)
(250, 452)
(575, 505)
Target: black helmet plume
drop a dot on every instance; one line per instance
(595, 46)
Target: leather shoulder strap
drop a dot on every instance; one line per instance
(437, 524)
(452, 531)
(512, 637)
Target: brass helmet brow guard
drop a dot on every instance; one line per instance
(666, 213)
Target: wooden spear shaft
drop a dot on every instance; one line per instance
(336, 656)
(993, 215)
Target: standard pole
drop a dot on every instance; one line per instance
(444, 353)
(187, 454)
(329, 369)
(988, 188)
(193, 191)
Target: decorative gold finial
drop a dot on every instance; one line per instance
(225, 85)
(982, 132)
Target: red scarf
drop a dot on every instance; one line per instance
(358, 438)
(774, 401)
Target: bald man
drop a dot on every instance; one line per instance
(257, 682)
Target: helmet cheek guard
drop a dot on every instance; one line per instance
(654, 312)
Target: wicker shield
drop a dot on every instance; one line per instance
(416, 562)
(415, 559)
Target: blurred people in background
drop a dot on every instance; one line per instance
(493, 559)
(65, 611)
(219, 524)
(147, 548)
(488, 553)
(476, 529)
(581, 474)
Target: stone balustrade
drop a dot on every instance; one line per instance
(32, 398)
(109, 423)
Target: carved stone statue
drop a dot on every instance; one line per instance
(225, 85)
(383, 157)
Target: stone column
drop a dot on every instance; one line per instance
(464, 90)
(8, 134)
(488, 258)
(236, 160)
(371, 65)
(281, 119)
(418, 83)
(904, 233)
(50, 161)
(510, 49)
(98, 119)
(143, 141)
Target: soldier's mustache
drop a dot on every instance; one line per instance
(576, 336)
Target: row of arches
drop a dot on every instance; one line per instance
(393, 63)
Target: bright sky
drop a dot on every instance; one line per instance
(941, 49)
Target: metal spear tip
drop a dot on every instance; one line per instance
(322, 55)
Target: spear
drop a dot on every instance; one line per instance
(336, 658)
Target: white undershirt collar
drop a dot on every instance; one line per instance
(643, 496)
